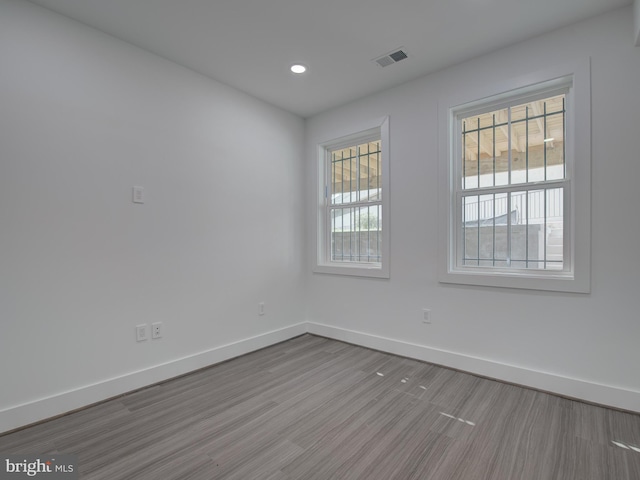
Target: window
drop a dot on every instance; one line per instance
(512, 186)
(353, 233)
(517, 171)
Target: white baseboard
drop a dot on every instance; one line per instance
(606, 395)
(54, 405)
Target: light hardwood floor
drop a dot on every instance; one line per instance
(312, 408)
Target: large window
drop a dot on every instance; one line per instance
(352, 222)
(517, 188)
(512, 184)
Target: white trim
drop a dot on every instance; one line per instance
(321, 253)
(578, 173)
(44, 408)
(19, 415)
(601, 394)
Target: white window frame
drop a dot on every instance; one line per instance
(375, 129)
(575, 277)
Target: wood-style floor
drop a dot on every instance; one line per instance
(312, 408)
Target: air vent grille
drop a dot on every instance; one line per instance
(391, 58)
(399, 55)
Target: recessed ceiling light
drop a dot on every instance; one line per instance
(298, 68)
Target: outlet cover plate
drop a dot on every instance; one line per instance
(156, 330)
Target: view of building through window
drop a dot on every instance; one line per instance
(512, 186)
(355, 206)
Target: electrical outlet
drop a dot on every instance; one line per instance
(426, 315)
(261, 308)
(156, 330)
(142, 333)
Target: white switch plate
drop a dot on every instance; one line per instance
(426, 315)
(138, 194)
(141, 333)
(261, 308)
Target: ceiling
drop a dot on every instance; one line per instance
(250, 44)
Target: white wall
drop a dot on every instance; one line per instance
(582, 345)
(83, 118)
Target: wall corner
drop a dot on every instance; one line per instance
(636, 22)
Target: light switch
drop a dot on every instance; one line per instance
(138, 194)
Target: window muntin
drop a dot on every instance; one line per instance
(511, 185)
(354, 207)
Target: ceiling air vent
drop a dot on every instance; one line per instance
(390, 58)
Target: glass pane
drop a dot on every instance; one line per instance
(338, 175)
(356, 173)
(520, 144)
(352, 187)
(520, 135)
(519, 233)
(356, 234)
(501, 237)
(486, 228)
(503, 145)
(534, 223)
(554, 233)
(554, 147)
(370, 171)
(343, 175)
(485, 148)
(337, 239)
(522, 229)
(470, 161)
(470, 230)
(544, 139)
(537, 239)
(489, 150)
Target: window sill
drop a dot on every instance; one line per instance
(547, 281)
(354, 270)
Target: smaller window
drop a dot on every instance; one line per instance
(353, 233)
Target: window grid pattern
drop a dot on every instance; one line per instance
(355, 203)
(511, 191)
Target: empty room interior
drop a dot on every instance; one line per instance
(317, 240)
